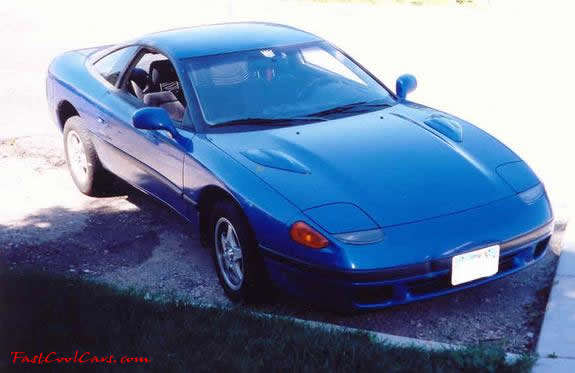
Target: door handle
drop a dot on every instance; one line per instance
(103, 128)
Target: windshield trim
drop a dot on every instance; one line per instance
(208, 127)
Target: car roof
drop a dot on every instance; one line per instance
(224, 38)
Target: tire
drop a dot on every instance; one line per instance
(254, 284)
(83, 163)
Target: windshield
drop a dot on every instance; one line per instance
(307, 81)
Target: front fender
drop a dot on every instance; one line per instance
(268, 212)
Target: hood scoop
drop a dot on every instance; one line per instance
(448, 127)
(275, 159)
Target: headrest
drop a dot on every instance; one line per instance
(163, 72)
(159, 98)
(139, 76)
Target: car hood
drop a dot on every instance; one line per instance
(399, 165)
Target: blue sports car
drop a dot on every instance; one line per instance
(298, 167)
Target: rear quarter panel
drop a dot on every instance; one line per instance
(69, 80)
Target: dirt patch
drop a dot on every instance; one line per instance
(44, 153)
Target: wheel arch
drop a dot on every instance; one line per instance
(208, 196)
(64, 111)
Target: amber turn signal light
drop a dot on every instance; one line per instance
(303, 234)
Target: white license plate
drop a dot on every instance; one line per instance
(473, 265)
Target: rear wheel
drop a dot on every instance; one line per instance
(83, 163)
(236, 257)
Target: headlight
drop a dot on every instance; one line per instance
(532, 194)
(361, 237)
(518, 175)
(346, 222)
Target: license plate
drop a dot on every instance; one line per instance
(473, 265)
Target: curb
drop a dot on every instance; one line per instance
(556, 344)
(380, 337)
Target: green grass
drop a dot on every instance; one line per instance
(43, 313)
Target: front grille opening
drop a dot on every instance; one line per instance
(540, 248)
(373, 295)
(506, 264)
(427, 286)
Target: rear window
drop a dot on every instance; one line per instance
(110, 66)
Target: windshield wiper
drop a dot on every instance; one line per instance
(269, 121)
(348, 107)
(339, 109)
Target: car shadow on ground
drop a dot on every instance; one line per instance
(131, 241)
(58, 238)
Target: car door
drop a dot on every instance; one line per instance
(106, 70)
(150, 160)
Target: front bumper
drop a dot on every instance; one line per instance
(374, 289)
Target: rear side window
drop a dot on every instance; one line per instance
(110, 66)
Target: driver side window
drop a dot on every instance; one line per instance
(154, 81)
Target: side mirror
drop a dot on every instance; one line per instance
(405, 84)
(154, 118)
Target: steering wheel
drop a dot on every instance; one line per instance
(307, 90)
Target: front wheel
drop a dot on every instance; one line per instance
(238, 263)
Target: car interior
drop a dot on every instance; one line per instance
(263, 83)
(154, 81)
(251, 84)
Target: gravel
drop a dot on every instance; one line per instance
(133, 242)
